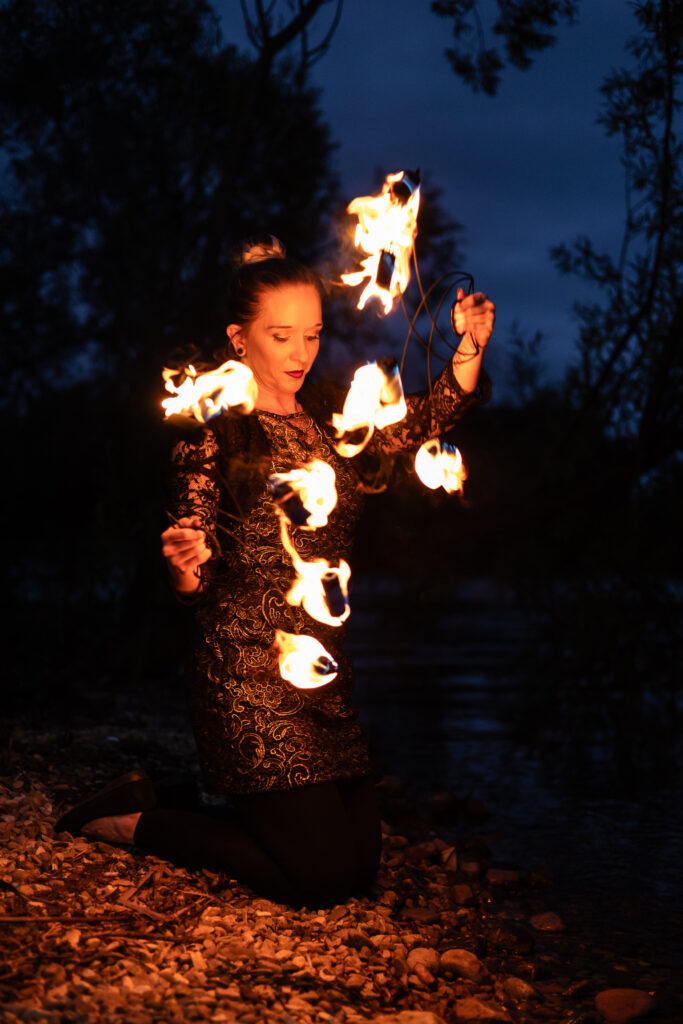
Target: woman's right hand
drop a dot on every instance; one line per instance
(184, 547)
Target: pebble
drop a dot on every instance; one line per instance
(518, 989)
(502, 876)
(461, 963)
(423, 957)
(510, 937)
(408, 1017)
(470, 868)
(463, 895)
(471, 1008)
(423, 915)
(618, 1005)
(547, 922)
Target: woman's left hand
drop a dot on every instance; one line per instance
(475, 315)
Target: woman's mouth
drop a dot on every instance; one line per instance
(296, 374)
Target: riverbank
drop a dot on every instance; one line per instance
(93, 932)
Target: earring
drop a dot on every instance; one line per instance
(239, 351)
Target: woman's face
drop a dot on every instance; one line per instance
(282, 342)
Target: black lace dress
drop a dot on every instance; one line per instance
(254, 730)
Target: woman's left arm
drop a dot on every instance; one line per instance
(473, 316)
(454, 391)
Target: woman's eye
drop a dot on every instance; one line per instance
(313, 337)
(281, 337)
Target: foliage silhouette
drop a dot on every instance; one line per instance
(139, 149)
(525, 27)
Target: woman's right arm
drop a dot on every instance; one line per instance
(195, 498)
(184, 547)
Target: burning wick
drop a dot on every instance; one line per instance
(205, 395)
(374, 400)
(304, 662)
(386, 230)
(306, 496)
(440, 465)
(322, 590)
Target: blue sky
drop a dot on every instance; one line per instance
(522, 171)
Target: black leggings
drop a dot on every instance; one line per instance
(312, 846)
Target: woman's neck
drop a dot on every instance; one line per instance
(283, 405)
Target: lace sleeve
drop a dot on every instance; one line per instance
(194, 479)
(431, 415)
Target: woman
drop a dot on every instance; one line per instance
(305, 827)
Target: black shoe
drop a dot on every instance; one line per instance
(125, 795)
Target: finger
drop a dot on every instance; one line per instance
(478, 314)
(474, 301)
(183, 563)
(189, 521)
(183, 551)
(183, 540)
(182, 534)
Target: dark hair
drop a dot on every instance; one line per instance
(259, 264)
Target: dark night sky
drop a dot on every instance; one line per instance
(522, 171)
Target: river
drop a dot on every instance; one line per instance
(456, 698)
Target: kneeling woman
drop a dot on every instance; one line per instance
(305, 828)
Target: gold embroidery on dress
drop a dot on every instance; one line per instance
(255, 731)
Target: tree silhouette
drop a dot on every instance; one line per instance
(138, 149)
(630, 354)
(524, 26)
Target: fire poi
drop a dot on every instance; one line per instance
(306, 495)
(319, 587)
(374, 400)
(205, 395)
(386, 230)
(304, 662)
(440, 465)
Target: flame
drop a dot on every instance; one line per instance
(375, 399)
(206, 395)
(318, 587)
(386, 230)
(304, 662)
(314, 487)
(440, 465)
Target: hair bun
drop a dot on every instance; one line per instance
(257, 249)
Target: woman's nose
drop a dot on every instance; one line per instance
(299, 351)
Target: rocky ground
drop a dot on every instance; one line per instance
(92, 932)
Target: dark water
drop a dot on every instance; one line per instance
(456, 699)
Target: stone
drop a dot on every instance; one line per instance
(510, 937)
(426, 958)
(547, 922)
(423, 915)
(355, 981)
(449, 858)
(470, 868)
(502, 876)
(471, 1008)
(618, 1005)
(408, 1017)
(460, 963)
(519, 989)
(463, 895)
(354, 938)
